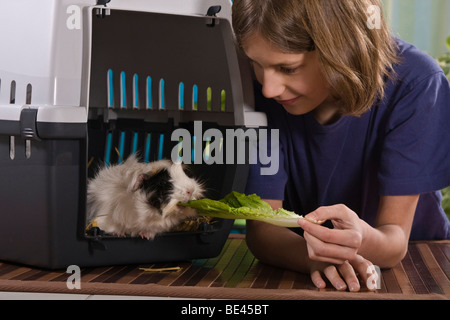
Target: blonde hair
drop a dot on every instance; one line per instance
(356, 60)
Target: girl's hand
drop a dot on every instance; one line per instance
(333, 246)
(343, 276)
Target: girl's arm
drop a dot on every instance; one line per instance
(285, 249)
(277, 246)
(385, 244)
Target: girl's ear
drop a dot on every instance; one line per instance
(138, 182)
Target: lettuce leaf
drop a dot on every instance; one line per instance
(240, 206)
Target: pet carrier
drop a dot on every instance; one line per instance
(86, 83)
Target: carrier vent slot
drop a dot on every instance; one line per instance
(149, 146)
(108, 149)
(121, 146)
(194, 141)
(135, 91)
(142, 94)
(110, 91)
(28, 149)
(161, 146)
(12, 147)
(223, 101)
(148, 142)
(123, 89)
(12, 94)
(162, 92)
(149, 93)
(207, 151)
(135, 142)
(195, 97)
(131, 137)
(181, 96)
(209, 99)
(29, 94)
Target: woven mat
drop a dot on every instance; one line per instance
(236, 274)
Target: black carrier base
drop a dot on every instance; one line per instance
(43, 202)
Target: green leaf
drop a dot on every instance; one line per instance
(240, 206)
(448, 43)
(446, 200)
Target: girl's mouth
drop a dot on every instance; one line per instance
(287, 102)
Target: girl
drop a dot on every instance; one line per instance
(364, 136)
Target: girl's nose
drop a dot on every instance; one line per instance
(272, 85)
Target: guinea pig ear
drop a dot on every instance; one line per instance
(139, 182)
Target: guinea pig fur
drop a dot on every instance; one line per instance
(141, 199)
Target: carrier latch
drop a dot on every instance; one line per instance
(28, 119)
(95, 239)
(212, 12)
(102, 12)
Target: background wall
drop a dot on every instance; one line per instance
(425, 23)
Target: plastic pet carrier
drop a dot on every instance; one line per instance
(84, 84)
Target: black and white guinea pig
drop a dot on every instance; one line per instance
(141, 199)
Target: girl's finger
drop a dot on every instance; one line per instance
(327, 252)
(335, 278)
(317, 279)
(366, 270)
(348, 238)
(336, 212)
(350, 277)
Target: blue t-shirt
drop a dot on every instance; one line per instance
(400, 147)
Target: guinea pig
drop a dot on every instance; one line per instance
(141, 199)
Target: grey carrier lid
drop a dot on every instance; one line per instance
(182, 67)
(70, 57)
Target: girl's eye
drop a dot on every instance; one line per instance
(288, 70)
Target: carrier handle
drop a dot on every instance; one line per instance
(212, 12)
(103, 12)
(102, 2)
(28, 128)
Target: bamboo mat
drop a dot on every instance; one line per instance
(236, 274)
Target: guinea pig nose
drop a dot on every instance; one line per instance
(189, 193)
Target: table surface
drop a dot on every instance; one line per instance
(236, 274)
